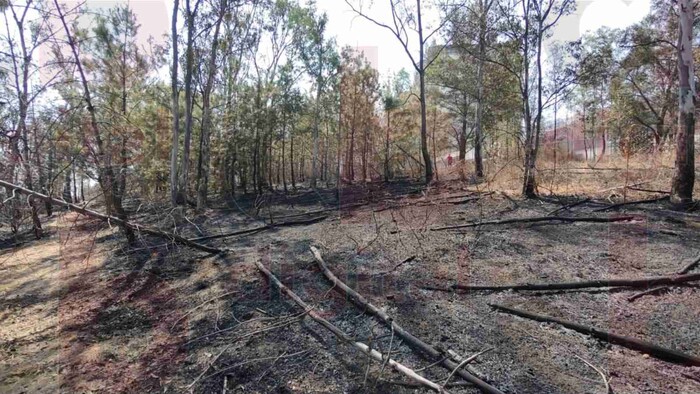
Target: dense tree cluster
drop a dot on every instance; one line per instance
(251, 96)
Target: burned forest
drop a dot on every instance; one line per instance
(349, 196)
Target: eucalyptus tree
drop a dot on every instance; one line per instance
(191, 12)
(219, 11)
(320, 58)
(407, 19)
(684, 177)
(525, 25)
(648, 73)
(175, 104)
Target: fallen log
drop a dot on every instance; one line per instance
(655, 290)
(112, 219)
(408, 338)
(690, 267)
(633, 283)
(639, 189)
(262, 228)
(623, 204)
(324, 210)
(375, 355)
(662, 353)
(569, 206)
(543, 219)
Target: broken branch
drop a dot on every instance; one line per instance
(374, 354)
(646, 282)
(654, 350)
(112, 219)
(542, 219)
(690, 266)
(408, 338)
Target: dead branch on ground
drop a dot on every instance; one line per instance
(112, 219)
(374, 354)
(634, 283)
(411, 340)
(690, 267)
(543, 219)
(624, 204)
(263, 228)
(569, 206)
(655, 290)
(670, 355)
(606, 380)
(201, 305)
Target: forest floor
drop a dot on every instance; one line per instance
(80, 312)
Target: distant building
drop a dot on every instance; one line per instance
(569, 139)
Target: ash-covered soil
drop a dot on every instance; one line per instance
(82, 312)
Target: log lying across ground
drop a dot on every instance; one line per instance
(569, 206)
(540, 219)
(112, 219)
(690, 266)
(623, 204)
(262, 228)
(408, 338)
(633, 283)
(654, 350)
(375, 355)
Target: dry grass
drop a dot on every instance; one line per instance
(605, 178)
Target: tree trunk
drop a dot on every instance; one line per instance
(317, 116)
(189, 98)
(105, 176)
(175, 99)
(205, 136)
(684, 177)
(529, 181)
(435, 166)
(463, 135)
(291, 160)
(479, 132)
(284, 163)
(423, 101)
(387, 170)
(67, 195)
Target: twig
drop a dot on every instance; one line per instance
(271, 365)
(253, 361)
(199, 306)
(208, 367)
(284, 323)
(602, 374)
(648, 292)
(432, 365)
(465, 362)
(391, 343)
(416, 386)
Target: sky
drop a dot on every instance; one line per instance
(379, 45)
(384, 53)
